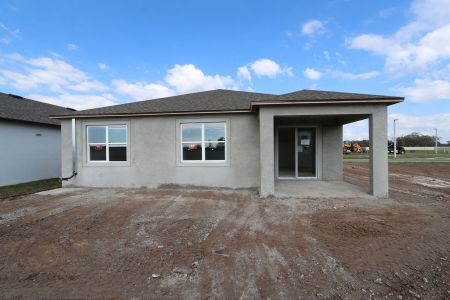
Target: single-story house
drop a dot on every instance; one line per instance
(30, 142)
(222, 138)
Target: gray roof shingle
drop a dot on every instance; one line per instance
(17, 108)
(221, 100)
(208, 101)
(314, 95)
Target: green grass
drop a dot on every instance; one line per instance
(29, 187)
(408, 154)
(356, 155)
(422, 154)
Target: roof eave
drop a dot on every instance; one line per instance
(389, 101)
(143, 114)
(30, 122)
(253, 106)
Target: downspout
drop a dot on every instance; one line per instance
(74, 152)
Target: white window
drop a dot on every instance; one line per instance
(107, 143)
(203, 142)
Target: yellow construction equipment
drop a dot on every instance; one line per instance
(349, 148)
(346, 148)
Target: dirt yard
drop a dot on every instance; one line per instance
(169, 243)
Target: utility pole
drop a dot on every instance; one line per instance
(395, 141)
(435, 141)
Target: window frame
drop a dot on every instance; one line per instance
(107, 144)
(203, 142)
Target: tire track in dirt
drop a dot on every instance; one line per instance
(224, 244)
(406, 242)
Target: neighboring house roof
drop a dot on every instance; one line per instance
(217, 101)
(17, 108)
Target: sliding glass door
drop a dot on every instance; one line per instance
(286, 152)
(306, 152)
(297, 152)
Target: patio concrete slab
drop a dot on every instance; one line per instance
(319, 189)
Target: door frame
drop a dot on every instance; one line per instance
(317, 145)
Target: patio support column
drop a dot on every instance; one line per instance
(379, 185)
(267, 153)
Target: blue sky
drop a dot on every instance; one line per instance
(85, 54)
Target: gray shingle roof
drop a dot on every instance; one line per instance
(221, 100)
(208, 101)
(14, 107)
(314, 95)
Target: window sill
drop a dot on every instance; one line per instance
(107, 164)
(203, 164)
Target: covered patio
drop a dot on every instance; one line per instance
(301, 148)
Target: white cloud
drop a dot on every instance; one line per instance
(406, 124)
(102, 66)
(424, 124)
(371, 42)
(312, 27)
(417, 46)
(53, 80)
(312, 74)
(355, 76)
(340, 59)
(327, 56)
(188, 78)
(49, 72)
(8, 33)
(426, 90)
(55, 54)
(142, 90)
(180, 79)
(18, 80)
(269, 68)
(72, 47)
(243, 73)
(88, 86)
(431, 12)
(356, 131)
(76, 101)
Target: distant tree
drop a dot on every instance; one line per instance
(413, 139)
(416, 139)
(362, 143)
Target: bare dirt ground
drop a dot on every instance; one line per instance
(169, 243)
